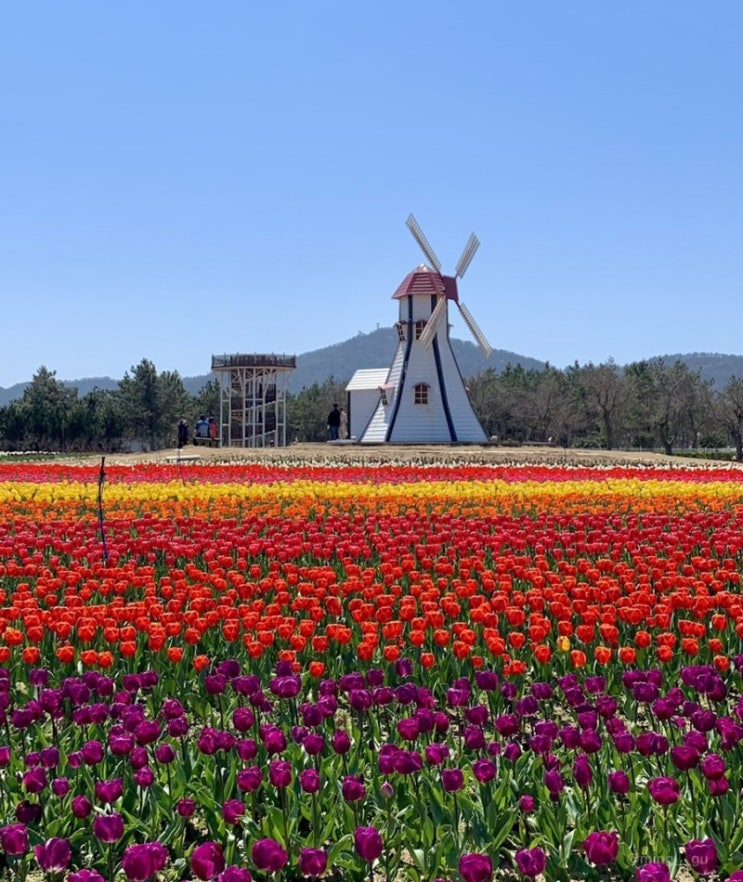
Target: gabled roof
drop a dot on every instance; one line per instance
(423, 280)
(368, 378)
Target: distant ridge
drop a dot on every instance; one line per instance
(376, 350)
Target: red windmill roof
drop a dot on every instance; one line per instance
(423, 280)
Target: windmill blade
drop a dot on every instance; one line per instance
(475, 330)
(425, 245)
(473, 243)
(432, 325)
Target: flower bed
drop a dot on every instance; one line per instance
(398, 672)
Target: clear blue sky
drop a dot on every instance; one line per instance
(181, 179)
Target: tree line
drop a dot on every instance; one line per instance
(645, 405)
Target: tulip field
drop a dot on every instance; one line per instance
(382, 672)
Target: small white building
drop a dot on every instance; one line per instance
(364, 389)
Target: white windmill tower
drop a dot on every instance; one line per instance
(424, 399)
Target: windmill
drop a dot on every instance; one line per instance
(451, 291)
(423, 398)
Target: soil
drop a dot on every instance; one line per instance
(339, 453)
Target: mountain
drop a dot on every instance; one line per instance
(718, 368)
(376, 350)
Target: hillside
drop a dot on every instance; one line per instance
(377, 348)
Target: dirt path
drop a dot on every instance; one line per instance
(344, 453)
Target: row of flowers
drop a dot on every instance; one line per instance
(422, 673)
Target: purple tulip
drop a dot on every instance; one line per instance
(531, 862)
(653, 872)
(507, 724)
(14, 839)
(285, 687)
(249, 779)
(353, 788)
(702, 855)
(147, 732)
(651, 744)
(28, 812)
(527, 804)
(452, 780)
(713, 766)
(142, 862)
(484, 770)
(512, 751)
(233, 810)
(436, 753)
(588, 718)
(234, 874)
(215, 684)
(554, 782)
(109, 791)
(81, 806)
(582, 772)
(341, 741)
(309, 780)
(165, 753)
(54, 855)
(368, 843)
(601, 848)
(273, 738)
(108, 828)
(138, 758)
(280, 773)
(60, 786)
(623, 741)
(619, 782)
(299, 733)
(34, 780)
(92, 753)
(120, 744)
(49, 757)
(243, 718)
(590, 741)
(718, 786)
(85, 876)
(207, 860)
(486, 680)
(246, 749)
(684, 757)
(185, 807)
(408, 729)
(360, 699)
(665, 791)
(268, 855)
(475, 867)
(313, 861)
(314, 744)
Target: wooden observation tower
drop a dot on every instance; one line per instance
(252, 400)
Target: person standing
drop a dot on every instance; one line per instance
(344, 424)
(182, 433)
(334, 423)
(202, 427)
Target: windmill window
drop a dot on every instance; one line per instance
(420, 393)
(419, 325)
(400, 328)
